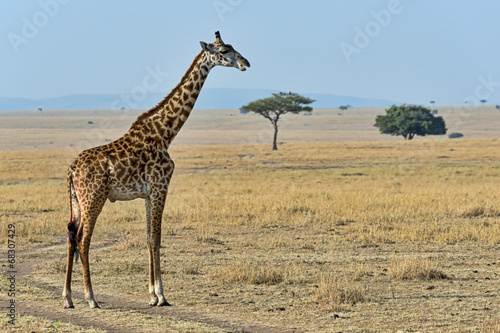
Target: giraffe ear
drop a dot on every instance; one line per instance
(207, 47)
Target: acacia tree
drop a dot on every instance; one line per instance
(273, 108)
(344, 108)
(410, 120)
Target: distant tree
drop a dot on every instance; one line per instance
(410, 120)
(433, 103)
(123, 108)
(40, 109)
(497, 107)
(274, 107)
(344, 108)
(483, 101)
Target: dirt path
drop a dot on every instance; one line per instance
(113, 302)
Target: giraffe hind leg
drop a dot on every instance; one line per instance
(93, 207)
(83, 243)
(72, 248)
(68, 303)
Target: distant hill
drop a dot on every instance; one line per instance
(210, 98)
(225, 98)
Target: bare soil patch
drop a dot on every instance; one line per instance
(27, 273)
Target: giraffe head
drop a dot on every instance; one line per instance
(222, 54)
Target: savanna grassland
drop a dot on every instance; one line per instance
(317, 237)
(80, 129)
(314, 237)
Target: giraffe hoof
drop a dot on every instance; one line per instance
(165, 303)
(153, 302)
(68, 304)
(94, 305)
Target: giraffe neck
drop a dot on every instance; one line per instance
(167, 118)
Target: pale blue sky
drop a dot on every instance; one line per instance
(408, 51)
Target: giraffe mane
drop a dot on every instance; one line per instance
(165, 101)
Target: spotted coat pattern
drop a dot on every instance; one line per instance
(137, 165)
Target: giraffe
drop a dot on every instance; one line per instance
(137, 165)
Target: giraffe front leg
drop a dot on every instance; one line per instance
(155, 285)
(155, 203)
(157, 277)
(154, 299)
(154, 211)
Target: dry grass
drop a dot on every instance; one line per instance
(491, 325)
(359, 187)
(291, 238)
(252, 273)
(124, 320)
(27, 323)
(335, 292)
(416, 269)
(68, 129)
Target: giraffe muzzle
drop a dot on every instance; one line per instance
(242, 64)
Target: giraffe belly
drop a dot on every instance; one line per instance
(126, 192)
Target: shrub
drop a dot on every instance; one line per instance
(455, 135)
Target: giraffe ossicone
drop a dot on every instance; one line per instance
(137, 165)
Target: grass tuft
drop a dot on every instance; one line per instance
(479, 211)
(415, 269)
(251, 273)
(336, 292)
(192, 269)
(131, 243)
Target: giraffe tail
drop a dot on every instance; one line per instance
(75, 216)
(72, 239)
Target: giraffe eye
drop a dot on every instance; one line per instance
(224, 51)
